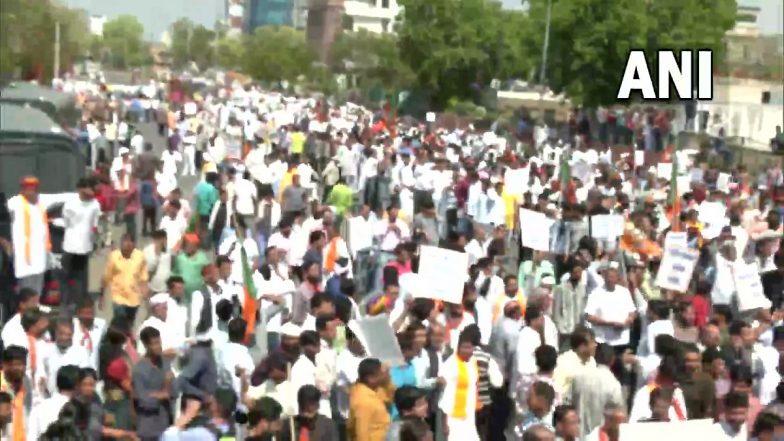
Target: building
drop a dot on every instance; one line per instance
(325, 22)
(372, 15)
(293, 13)
(235, 16)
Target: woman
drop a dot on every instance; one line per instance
(96, 426)
(115, 371)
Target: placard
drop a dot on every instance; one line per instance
(639, 158)
(535, 230)
(713, 215)
(360, 234)
(664, 170)
(723, 182)
(516, 180)
(430, 117)
(607, 226)
(696, 175)
(676, 239)
(676, 269)
(442, 273)
(584, 172)
(688, 430)
(379, 339)
(751, 294)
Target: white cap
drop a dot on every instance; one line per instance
(548, 280)
(124, 151)
(290, 329)
(159, 299)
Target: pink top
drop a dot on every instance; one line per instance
(402, 268)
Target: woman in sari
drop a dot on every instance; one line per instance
(115, 371)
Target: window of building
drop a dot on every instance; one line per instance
(385, 4)
(385, 25)
(348, 22)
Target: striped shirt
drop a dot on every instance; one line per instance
(483, 385)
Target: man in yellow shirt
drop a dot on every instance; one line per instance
(369, 418)
(297, 141)
(126, 275)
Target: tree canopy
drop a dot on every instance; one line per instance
(192, 43)
(123, 39)
(277, 54)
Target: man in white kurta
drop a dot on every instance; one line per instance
(62, 352)
(88, 330)
(460, 412)
(171, 341)
(30, 232)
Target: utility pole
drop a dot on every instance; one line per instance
(543, 72)
(56, 49)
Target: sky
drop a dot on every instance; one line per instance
(157, 15)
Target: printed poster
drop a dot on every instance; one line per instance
(442, 273)
(535, 230)
(676, 269)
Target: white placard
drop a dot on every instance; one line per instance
(723, 182)
(676, 269)
(584, 172)
(664, 170)
(516, 180)
(696, 175)
(639, 158)
(379, 339)
(713, 215)
(442, 272)
(360, 234)
(676, 239)
(684, 184)
(430, 117)
(689, 430)
(535, 230)
(607, 226)
(748, 284)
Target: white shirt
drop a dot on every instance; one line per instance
(158, 267)
(284, 393)
(137, 143)
(54, 359)
(166, 183)
(169, 160)
(38, 232)
(390, 239)
(177, 319)
(13, 333)
(80, 218)
(231, 356)
(175, 228)
(169, 338)
(527, 343)
(614, 306)
(244, 195)
(303, 372)
(659, 327)
(92, 343)
(43, 414)
(251, 249)
(197, 300)
(326, 374)
(641, 408)
(347, 375)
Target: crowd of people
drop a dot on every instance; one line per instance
(273, 228)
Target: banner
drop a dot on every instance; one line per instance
(442, 273)
(535, 230)
(676, 269)
(379, 339)
(607, 226)
(748, 284)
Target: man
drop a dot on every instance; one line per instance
(594, 388)
(159, 261)
(126, 275)
(199, 378)
(232, 247)
(347, 366)
(614, 416)
(303, 371)
(277, 386)
(12, 329)
(47, 411)
(490, 379)
(288, 350)
(503, 340)
(30, 232)
(569, 299)
(202, 316)
(88, 329)
(459, 399)
(733, 425)
(171, 341)
(512, 292)
(611, 311)
(234, 360)
(326, 360)
(35, 323)
(152, 387)
(14, 382)
(545, 363)
(121, 172)
(666, 377)
(174, 224)
(308, 424)
(567, 423)
(80, 217)
(246, 199)
(698, 387)
(530, 338)
(540, 401)
(341, 197)
(62, 353)
(264, 420)
(309, 289)
(368, 416)
(538, 432)
(190, 263)
(576, 360)
(206, 196)
(412, 405)
(294, 196)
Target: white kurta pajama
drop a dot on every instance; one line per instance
(460, 428)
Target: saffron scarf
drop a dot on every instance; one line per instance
(675, 404)
(462, 389)
(28, 227)
(33, 354)
(17, 409)
(332, 255)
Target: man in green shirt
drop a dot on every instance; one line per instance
(341, 197)
(189, 263)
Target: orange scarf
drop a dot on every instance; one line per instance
(304, 434)
(463, 384)
(332, 255)
(603, 435)
(675, 404)
(498, 308)
(28, 231)
(17, 409)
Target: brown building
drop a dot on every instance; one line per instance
(325, 21)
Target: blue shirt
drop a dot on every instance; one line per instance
(206, 195)
(402, 376)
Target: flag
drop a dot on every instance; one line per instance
(674, 199)
(565, 176)
(249, 289)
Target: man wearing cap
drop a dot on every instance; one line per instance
(170, 339)
(30, 232)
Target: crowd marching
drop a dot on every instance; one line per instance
(601, 287)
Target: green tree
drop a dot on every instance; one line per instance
(230, 51)
(371, 59)
(192, 42)
(456, 47)
(123, 38)
(277, 53)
